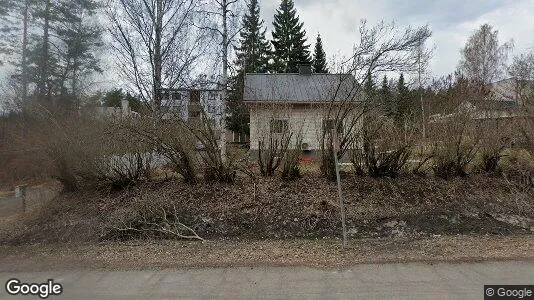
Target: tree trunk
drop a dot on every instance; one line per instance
(224, 79)
(44, 93)
(420, 71)
(157, 55)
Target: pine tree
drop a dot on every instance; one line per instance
(319, 57)
(253, 54)
(254, 50)
(369, 88)
(64, 55)
(289, 39)
(238, 113)
(402, 105)
(386, 97)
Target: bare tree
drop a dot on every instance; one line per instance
(24, 58)
(226, 29)
(423, 60)
(156, 43)
(522, 71)
(483, 58)
(382, 48)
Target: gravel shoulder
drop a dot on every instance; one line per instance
(322, 253)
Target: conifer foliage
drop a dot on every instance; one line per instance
(319, 57)
(254, 50)
(402, 108)
(289, 39)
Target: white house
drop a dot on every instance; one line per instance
(192, 103)
(295, 102)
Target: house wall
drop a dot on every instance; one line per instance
(179, 102)
(306, 120)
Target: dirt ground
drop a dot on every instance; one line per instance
(412, 207)
(320, 253)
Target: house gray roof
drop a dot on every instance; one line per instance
(299, 88)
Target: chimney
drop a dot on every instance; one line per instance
(305, 69)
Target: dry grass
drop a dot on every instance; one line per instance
(323, 253)
(412, 206)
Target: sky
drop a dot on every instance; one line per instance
(451, 21)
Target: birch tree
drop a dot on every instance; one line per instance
(381, 48)
(156, 43)
(483, 59)
(226, 12)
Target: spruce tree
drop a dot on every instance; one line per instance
(253, 55)
(254, 50)
(289, 39)
(369, 88)
(319, 57)
(402, 104)
(386, 97)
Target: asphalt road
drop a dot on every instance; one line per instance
(389, 281)
(9, 206)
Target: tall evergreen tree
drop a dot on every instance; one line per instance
(254, 50)
(319, 57)
(63, 54)
(9, 10)
(402, 105)
(386, 97)
(253, 54)
(369, 88)
(289, 39)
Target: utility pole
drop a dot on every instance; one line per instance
(338, 177)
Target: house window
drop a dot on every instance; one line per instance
(177, 96)
(211, 109)
(212, 96)
(328, 125)
(279, 126)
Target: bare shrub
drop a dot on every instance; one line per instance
(216, 167)
(272, 151)
(384, 152)
(381, 48)
(518, 164)
(170, 138)
(95, 153)
(21, 155)
(129, 157)
(423, 153)
(291, 166)
(458, 147)
(175, 142)
(496, 136)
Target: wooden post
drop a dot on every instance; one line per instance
(20, 193)
(340, 195)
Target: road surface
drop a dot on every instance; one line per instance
(388, 281)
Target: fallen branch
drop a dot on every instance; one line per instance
(166, 226)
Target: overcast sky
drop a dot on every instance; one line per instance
(451, 21)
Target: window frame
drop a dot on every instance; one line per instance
(282, 124)
(328, 124)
